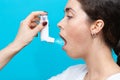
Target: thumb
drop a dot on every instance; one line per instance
(39, 27)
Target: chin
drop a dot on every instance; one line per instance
(73, 55)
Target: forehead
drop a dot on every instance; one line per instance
(74, 4)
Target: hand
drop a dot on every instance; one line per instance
(29, 28)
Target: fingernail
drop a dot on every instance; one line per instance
(44, 23)
(31, 27)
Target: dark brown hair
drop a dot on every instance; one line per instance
(109, 12)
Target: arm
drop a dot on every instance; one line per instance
(7, 53)
(28, 29)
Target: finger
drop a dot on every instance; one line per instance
(34, 14)
(33, 24)
(37, 29)
(36, 19)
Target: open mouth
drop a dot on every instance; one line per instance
(65, 42)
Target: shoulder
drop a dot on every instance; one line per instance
(71, 72)
(114, 77)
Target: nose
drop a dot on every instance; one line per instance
(60, 24)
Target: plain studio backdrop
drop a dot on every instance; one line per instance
(39, 60)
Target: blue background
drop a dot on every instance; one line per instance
(38, 60)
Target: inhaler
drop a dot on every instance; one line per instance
(45, 31)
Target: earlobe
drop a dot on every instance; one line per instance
(97, 26)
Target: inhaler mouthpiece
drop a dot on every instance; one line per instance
(45, 31)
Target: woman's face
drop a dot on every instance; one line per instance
(75, 30)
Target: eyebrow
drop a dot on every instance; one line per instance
(68, 9)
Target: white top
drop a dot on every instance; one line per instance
(78, 72)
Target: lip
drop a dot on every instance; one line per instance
(65, 42)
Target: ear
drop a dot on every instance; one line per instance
(97, 26)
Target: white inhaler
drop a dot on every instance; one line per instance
(45, 31)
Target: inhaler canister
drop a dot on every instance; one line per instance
(45, 31)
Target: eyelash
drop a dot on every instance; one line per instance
(69, 17)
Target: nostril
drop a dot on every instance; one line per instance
(61, 27)
(60, 24)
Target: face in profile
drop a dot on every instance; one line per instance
(75, 30)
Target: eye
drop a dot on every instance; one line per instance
(69, 17)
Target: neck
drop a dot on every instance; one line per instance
(100, 62)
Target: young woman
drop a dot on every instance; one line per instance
(91, 29)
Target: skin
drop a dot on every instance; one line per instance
(28, 30)
(76, 30)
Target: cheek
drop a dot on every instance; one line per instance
(78, 36)
(78, 32)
